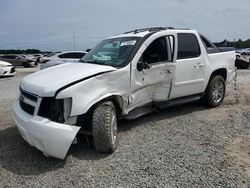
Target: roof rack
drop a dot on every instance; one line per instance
(150, 29)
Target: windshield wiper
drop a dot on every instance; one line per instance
(92, 62)
(96, 62)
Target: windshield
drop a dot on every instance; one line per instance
(113, 52)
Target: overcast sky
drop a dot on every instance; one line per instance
(48, 24)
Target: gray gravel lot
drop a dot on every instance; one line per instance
(184, 146)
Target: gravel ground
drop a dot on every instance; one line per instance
(184, 146)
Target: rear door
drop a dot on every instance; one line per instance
(189, 76)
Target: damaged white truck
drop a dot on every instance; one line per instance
(124, 76)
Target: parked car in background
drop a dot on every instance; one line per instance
(6, 69)
(18, 60)
(36, 57)
(242, 61)
(245, 51)
(64, 57)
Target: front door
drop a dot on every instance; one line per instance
(152, 84)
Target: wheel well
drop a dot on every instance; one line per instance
(85, 120)
(222, 72)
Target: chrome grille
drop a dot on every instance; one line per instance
(28, 102)
(29, 95)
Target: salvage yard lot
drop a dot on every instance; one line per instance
(184, 146)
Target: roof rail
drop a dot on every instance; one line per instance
(150, 29)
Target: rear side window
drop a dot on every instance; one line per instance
(188, 46)
(210, 47)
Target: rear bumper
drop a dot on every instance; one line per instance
(53, 139)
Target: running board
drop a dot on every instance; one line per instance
(137, 112)
(151, 107)
(178, 101)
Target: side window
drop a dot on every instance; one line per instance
(72, 55)
(68, 55)
(62, 55)
(188, 46)
(156, 51)
(79, 55)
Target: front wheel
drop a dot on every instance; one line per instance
(105, 127)
(215, 91)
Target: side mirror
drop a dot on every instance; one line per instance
(142, 65)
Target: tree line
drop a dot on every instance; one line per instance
(19, 51)
(238, 44)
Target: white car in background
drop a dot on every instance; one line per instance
(64, 57)
(7, 69)
(245, 51)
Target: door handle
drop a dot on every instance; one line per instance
(198, 65)
(166, 71)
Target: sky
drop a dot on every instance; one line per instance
(49, 24)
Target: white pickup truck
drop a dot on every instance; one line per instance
(124, 76)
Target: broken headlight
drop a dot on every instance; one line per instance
(57, 110)
(67, 105)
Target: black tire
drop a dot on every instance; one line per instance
(104, 127)
(215, 91)
(26, 64)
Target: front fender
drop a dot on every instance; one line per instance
(86, 94)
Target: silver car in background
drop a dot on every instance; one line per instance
(18, 60)
(64, 57)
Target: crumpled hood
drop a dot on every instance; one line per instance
(46, 82)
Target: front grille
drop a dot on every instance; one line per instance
(28, 95)
(27, 108)
(12, 70)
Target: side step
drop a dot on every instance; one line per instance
(137, 112)
(178, 101)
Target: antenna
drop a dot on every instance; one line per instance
(74, 40)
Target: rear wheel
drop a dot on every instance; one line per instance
(215, 91)
(104, 127)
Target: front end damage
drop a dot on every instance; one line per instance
(45, 123)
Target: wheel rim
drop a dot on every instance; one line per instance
(218, 91)
(113, 128)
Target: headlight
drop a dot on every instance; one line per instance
(67, 105)
(2, 65)
(57, 110)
